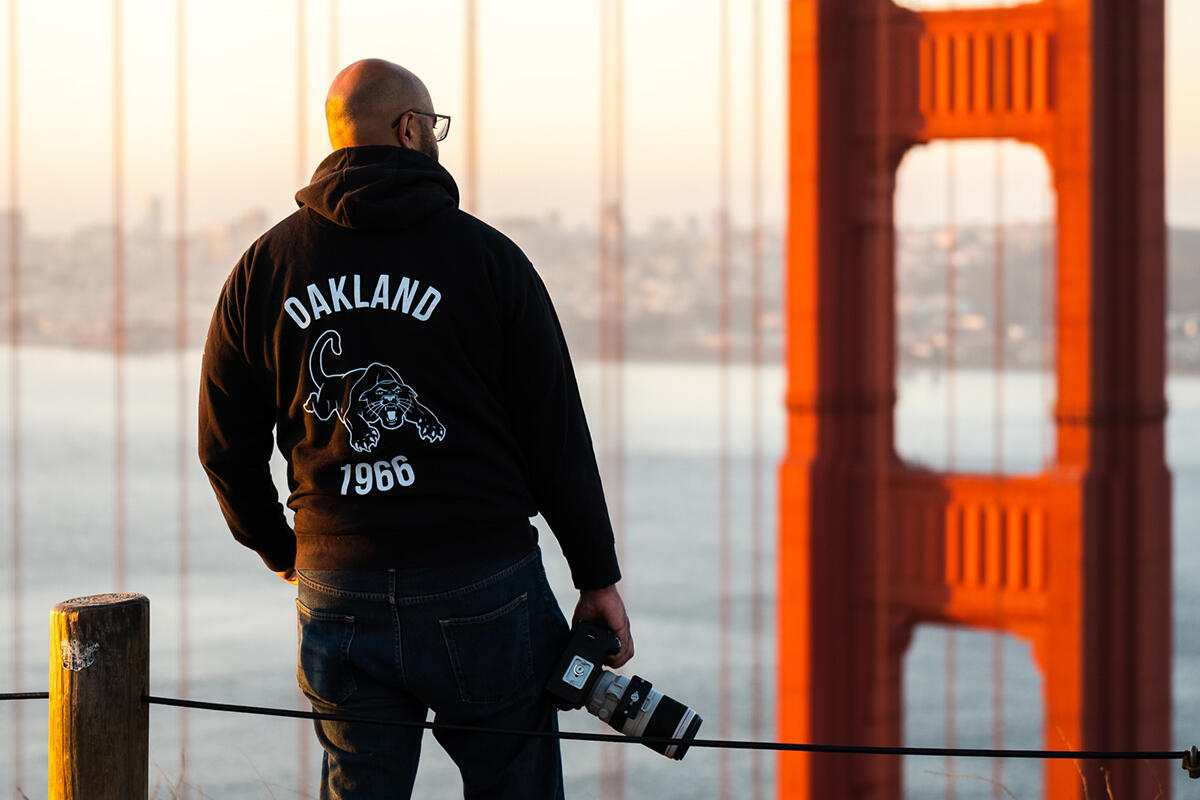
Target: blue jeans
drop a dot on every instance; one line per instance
(473, 643)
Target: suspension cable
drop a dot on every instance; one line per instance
(334, 37)
(14, 341)
(999, 343)
(471, 107)
(882, 382)
(611, 275)
(183, 405)
(303, 736)
(951, 641)
(602, 272)
(724, 501)
(999, 339)
(118, 258)
(618, 320)
(756, 364)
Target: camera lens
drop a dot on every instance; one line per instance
(633, 707)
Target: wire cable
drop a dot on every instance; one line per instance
(118, 263)
(302, 746)
(183, 397)
(756, 366)
(14, 376)
(724, 388)
(728, 744)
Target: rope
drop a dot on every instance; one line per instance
(727, 744)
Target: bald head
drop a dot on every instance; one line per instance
(365, 100)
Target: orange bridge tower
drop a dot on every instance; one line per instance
(1076, 559)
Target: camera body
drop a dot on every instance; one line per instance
(630, 705)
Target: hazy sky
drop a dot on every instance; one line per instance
(539, 107)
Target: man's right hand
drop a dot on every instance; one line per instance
(605, 606)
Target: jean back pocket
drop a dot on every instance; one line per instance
(491, 653)
(324, 670)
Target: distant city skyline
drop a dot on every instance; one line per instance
(539, 107)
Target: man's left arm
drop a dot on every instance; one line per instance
(237, 417)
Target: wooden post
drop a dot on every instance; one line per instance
(99, 678)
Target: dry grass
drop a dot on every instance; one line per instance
(1104, 773)
(166, 788)
(964, 777)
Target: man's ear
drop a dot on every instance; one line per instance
(406, 140)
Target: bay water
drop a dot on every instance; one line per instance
(240, 618)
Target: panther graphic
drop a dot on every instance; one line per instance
(365, 398)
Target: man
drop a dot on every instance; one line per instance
(414, 372)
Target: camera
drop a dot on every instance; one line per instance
(630, 705)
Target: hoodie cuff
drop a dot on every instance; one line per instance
(280, 557)
(597, 571)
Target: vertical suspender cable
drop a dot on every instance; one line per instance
(999, 339)
(302, 745)
(756, 294)
(14, 384)
(951, 722)
(608, 781)
(618, 282)
(334, 37)
(301, 94)
(1048, 332)
(119, 289)
(181, 377)
(998, 359)
(724, 555)
(470, 82)
(883, 378)
(618, 338)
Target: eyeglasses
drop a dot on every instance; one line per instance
(441, 122)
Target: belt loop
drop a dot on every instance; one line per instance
(392, 585)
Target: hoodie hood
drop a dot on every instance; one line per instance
(378, 187)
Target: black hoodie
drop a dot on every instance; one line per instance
(416, 377)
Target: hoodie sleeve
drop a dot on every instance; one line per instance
(235, 437)
(547, 416)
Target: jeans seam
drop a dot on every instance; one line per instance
(525, 642)
(343, 593)
(346, 634)
(474, 587)
(398, 639)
